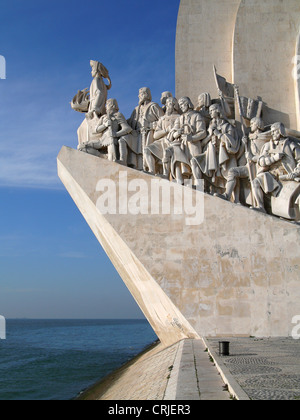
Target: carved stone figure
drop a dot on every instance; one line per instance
(177, 141)
(155, 153)
(204, 102)
(92, 102)
(98, 89)
(111, 130)
(143, 120)
(253, 145)
(164, 96)
(189, 130)
(131, 153)
(279, 161)
(220, 156)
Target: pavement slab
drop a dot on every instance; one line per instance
(264, 368)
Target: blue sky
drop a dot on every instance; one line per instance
(51, 265)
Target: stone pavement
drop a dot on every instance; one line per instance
(194, 375)
(183, 371)
(256, 369)
(260, 368)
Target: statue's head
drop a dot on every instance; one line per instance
(171, 105)
(164, 97)
(215, 110)
(98, 69)
(257, 123)
(204, 100)
(145, 95)
(112, 106)
(185, 104)
(278, 131)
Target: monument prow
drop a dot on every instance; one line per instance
(198, 204)
(235, 273)
(80, 174)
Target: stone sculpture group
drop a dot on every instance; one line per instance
(223, 142)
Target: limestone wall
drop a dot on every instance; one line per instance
(264, 47)
(204, 39)
(236, 273)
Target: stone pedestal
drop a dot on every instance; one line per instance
(235, 273)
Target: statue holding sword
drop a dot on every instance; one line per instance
(186, 137)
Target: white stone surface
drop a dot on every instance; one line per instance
(204, 39)
(237, 273)
(297, 79)
(80, 173)
(266, 34)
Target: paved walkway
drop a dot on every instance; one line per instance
(256, 369)
(194, 375)
(260, 368)
(183, 371)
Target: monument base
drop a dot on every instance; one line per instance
(231, 271)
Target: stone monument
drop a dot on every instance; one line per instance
(252, 43)
(198, 206)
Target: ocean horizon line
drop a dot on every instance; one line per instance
(75, 319)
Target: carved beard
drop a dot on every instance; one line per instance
(277, 141)
(169, 112)
(142, 101)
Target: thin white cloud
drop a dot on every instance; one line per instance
(30, 141)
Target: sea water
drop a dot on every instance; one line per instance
(57, 359)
